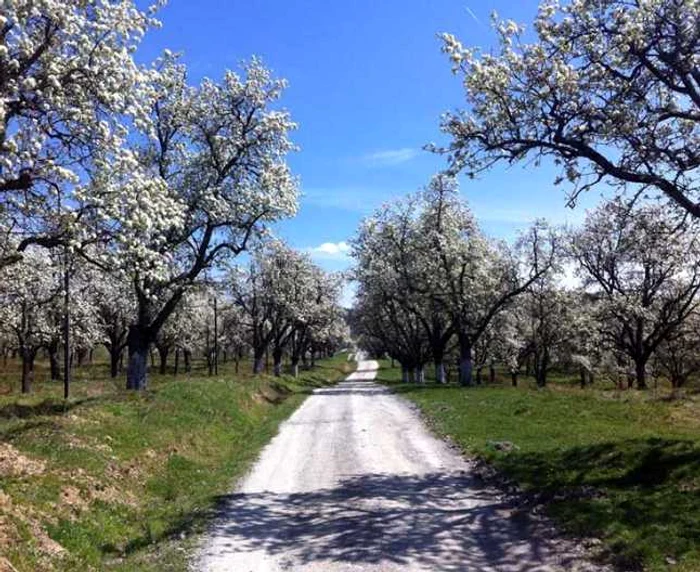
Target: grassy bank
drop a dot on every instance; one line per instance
(620, 466)
(117, 481)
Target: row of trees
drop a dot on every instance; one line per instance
(609, 92)
(279, 303)
(431, 285)
(129, 168)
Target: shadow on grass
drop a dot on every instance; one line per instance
(398, 387)
(17, 430)
(641, 495)
(43, 408)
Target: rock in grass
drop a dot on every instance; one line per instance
(503, 446)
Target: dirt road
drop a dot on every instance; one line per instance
(355, 482)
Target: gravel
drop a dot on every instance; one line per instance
(354, 481)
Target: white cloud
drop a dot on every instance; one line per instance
(330, 251)
(391, 157)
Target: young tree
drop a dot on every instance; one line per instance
(114, 301)
(679, 355)
(188, 329)
(234, 340)
(610, 90)
(643, 267)
(251, 288)
(541, 325)
(317, 318)
(384, 323)
(284, 299)
(28, 291)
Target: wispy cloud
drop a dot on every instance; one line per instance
(556, 214)
(362, 200)
(330, 251)
(391, 157)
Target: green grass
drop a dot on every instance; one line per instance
(620, 466)
(119, 481)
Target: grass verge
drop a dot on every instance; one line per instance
(118, 481)
(620, 466)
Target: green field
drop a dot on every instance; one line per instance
(620, 466)
(118, 481)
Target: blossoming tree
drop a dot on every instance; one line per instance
(642, 266)
(610, 90)
(68, 82)
(205, 177)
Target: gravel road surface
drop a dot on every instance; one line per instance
(355, 482)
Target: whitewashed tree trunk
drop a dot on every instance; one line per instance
(440, 372)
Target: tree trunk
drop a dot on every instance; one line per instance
(27, 370)
(582, 373)
(542, 378)
(514, 378)
(54, 362)
(136, 371)
(492, 374)
(404, 374)
(163, 355)
(640, 373)
(177, 361)
(258, 361)
(465, 363)
(420, 374)
(295, 366)
(541, 366)
(440, 372)
(115, 356)
(82, 354)
(210, 360)
(478, 375)
(277, 361)
(187, 354)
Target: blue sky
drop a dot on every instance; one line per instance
(367, 86)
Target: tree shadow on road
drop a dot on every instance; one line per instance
(353, 388)
(436, 521)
